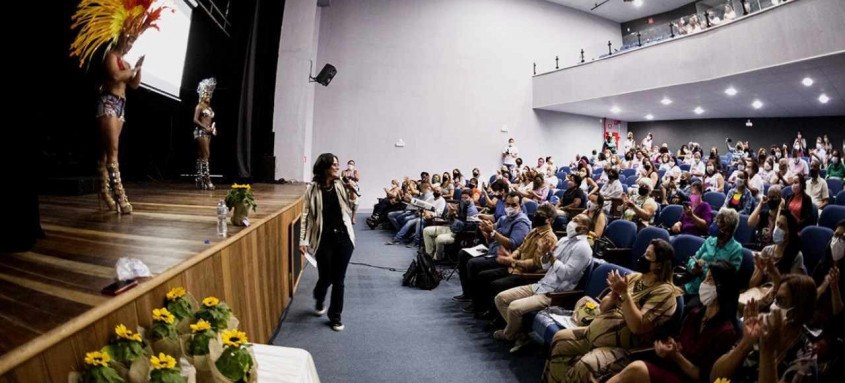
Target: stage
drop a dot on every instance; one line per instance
(51, 308)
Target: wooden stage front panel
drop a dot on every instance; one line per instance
(51, 309)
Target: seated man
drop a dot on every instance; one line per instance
(411, 226)
(564, 269)
(525, 259)
(508, 232)
(398, 218)
(817, 187)
(437, 237)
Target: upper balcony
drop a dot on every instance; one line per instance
(756, 50)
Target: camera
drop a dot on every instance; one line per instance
(729, 140)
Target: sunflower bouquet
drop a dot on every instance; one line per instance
(163, 334)
(215, 312)
(196, 346)
(235, 362)
(127, 353)
(241, 199)
(164, 370)
(97, 370)
(180, 303)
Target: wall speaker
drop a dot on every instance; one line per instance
(326, 75)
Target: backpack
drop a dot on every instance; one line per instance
(422, 273)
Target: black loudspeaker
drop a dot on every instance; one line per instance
(326, 75)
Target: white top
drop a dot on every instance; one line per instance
(509, 155)
(278, 364)
(817, 190)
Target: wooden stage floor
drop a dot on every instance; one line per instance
(62, 275)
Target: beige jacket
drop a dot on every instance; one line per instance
(311, 224)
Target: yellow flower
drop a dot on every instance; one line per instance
(244, 186)
(233, 338)
(210, 301)
(163, 361)
(162, 315)
(176, 293)
(722, 380)
(201, 325)
(97, 358)
(590, 305)
(126, 333)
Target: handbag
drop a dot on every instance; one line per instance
(601, 245)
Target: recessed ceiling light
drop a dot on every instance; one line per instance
(615, 109)
(730, 91)
(649, 116)
(749, 123)
(824, 99)
(665, 101)
(757, 104)
(638, 3)
(698, 110)
(807, 81)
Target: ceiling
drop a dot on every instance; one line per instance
(620, 11)
(778, 88)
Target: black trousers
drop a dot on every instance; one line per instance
(469, 268)
(332, 260)
(481, 286)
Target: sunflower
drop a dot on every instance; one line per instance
(163, 361)
(233, 338)
(210, 302)
(590, 305)
(97, 358)
(200, 326)
(176, 293)
(126, 333)
(722, 380)
(162, 315)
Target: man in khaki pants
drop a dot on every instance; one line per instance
(564, 269)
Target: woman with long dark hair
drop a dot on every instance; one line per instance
(326, 232)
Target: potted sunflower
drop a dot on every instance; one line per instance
(182, 305)
(127, 353)
(240, 199)
(217, 313)
(162, 334)
(97, 370)
(196, 346)
(235, 363)
(164, 370)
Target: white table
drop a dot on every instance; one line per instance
(278, 364)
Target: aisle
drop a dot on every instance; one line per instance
(395, 333)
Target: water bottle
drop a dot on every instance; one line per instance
(222, 211)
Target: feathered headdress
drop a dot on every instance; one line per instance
(206, 87)
(103, 21)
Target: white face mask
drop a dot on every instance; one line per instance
(707, 293)
(571, 229)
(778, 236)
(837, 248)
(511, 211)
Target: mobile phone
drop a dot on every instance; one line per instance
(119, 287)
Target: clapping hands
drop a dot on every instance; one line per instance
(666, 348)
(617, 283)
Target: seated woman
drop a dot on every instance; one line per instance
(775, 347)
(826, 275)
(713, 180)
(697, 215)
(784, 254)
(641, 208)
(707, 333)
(539, 192)
(799, 204)
(722, 246)
(740, 198)
(447, 187)
(597, 217)
(630, 315)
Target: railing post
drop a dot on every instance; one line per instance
(707, 18)
(535, 68)
(556, 63)
(639, 41)
(609, 52)
(671, 30)
(582, 55)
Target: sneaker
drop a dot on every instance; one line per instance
(337, 326)
(392, 242)
(320, 309)
(519, 345)
(461, 298)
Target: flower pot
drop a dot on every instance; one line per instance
(240, 215)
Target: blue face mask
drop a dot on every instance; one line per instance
(778, 235)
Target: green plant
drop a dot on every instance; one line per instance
(240, 194)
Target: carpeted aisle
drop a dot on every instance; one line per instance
(399, 334)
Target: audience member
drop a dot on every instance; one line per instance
(697, 214)
(739, 198)
(722, 246)
(817, 187)
(799, 204)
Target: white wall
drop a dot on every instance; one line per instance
(294, 100)
(445, 76)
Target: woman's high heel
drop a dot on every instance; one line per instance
(105, 193)
(123, 205)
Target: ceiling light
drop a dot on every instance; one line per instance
(807, 81)
(665, 101)
(638, 3)
(615, 109)
(698, 110)
(749, 123)
(757, 104)
(824, 99)
(730, 91)
(649, 116)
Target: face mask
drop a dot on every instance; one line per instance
(814, 173)
(475, 174)
(707, 293)
(778, 236)
(643, 191)
(571, 229)
(511, 211)
(773, 204)
(778, 155)
(694, 200)
(591, 205)
(835, 160)
(740, 182)
(436, 194)
(696, 161)
(796, 189)
(837, 248)
(710, 169)
(539, 221)
(740, 167)
(774, 307)
(643, 265)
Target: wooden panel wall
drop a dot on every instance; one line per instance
(250, 273)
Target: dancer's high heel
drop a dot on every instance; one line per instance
(105, 192)
(206, 177)
(123, 205)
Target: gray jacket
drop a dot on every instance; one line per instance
(311, 224)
